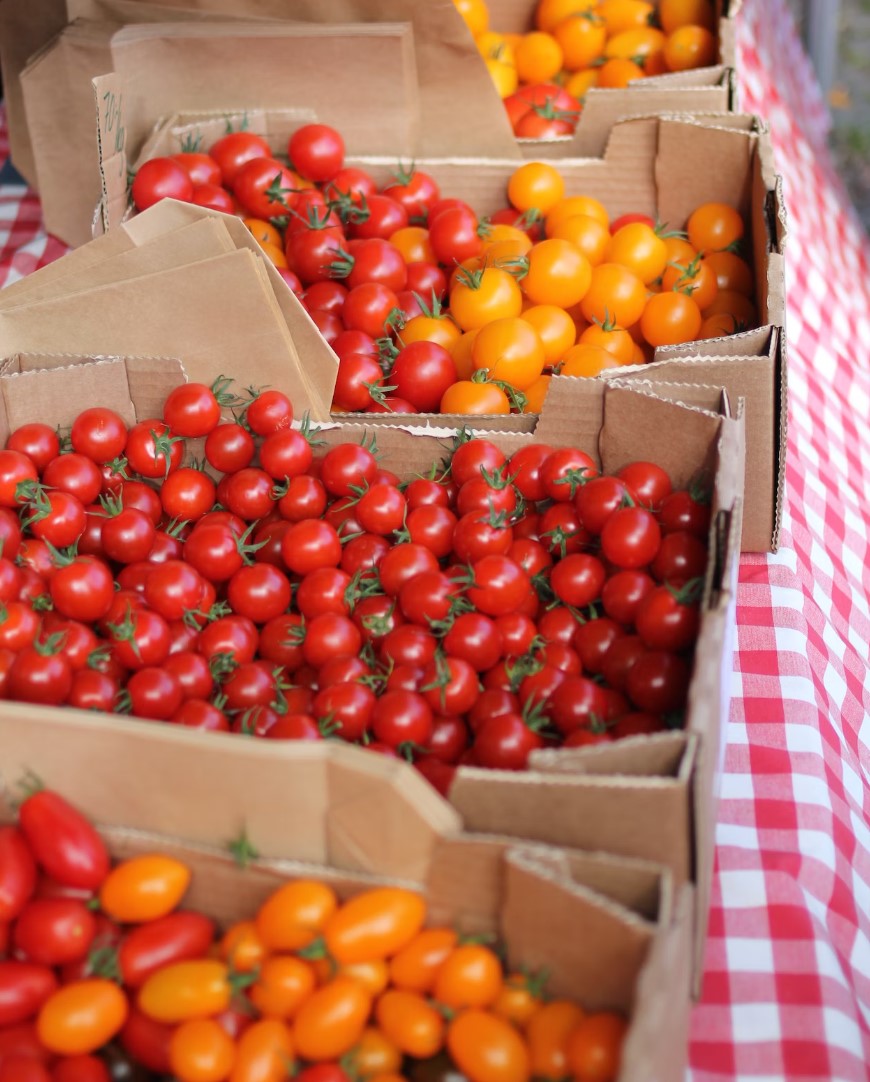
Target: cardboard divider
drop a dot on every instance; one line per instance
(613, 927)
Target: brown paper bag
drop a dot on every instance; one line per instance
(216, 316)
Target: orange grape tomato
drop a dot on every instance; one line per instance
(714, 226)
(547, 1035)
(294, 915)
(471, 977)
(636, 44)
(594, 1047)
(332, 1019)
(186, 990)
(283, 984)
(586, 360)
(510, 351)
(487, 1048)
(558, 273)
(555, 329)
(618, 72)
(615, 295)
(144, 888)
(676, 13)
(264, 1053)
(535, 185)
(689, 47)
(373, 1054)
(374, 925)
(374, 976)
(81, 1017)
(201, 1051)
(484, 295)
(241, 947)
(669, 319)
(521, 996)
(580, 82)
(411, 1023)
(549, 13)
(415, 967)
(467, 397)
(620, 15)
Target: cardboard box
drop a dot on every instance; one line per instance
(664, 167)
(611, 933)
(651, 798)
(447, 69)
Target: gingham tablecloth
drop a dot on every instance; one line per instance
(787, 978)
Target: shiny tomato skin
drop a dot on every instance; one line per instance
(24, 987)
(54, 931)
(64, 843)
(17, 873)
(81, 1017)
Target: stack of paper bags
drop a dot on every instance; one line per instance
(176, 281)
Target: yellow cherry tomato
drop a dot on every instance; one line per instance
(558, 273)
(295, 914)
(475, 13)
(504, 75)
(143, 888)
(510, 351)
(494, 46)
(481, 296)
(332, 1019)
(81, 1017)
(555, 329)
(374, 925)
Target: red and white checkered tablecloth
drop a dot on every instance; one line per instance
(787, 984)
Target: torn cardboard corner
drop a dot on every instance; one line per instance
(614, 927)
(56, 388)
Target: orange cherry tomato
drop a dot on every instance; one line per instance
(547, 1035)
(283, 984)
(497, 233)
(640, 248)
(264, 1053)
(636, 44)
(472, 398)
(549, 13)
(484, 295)
(475, 13)
(241, 947)
(714, 226)
(679, 250)
(689, 47)
(615, 295)
(411, 1023)
(615, 340)
(295, 914)
(439, 329)
(486, 1048)
(81, 1017)
(536, 394)
(143, 888)
(584, 232)
(460, 351)
(620, 15)
(201, 1051)
(594, 1047)
(558, 273)
(510, 351)
(373, 1054)
(676, 13)
(495, 46)
(586, 360)
(332, 1019)
(554, 327)
(264, 232)
(470, 977)
(521, 996)
(582, 38)
(415, 967)
(618, 72)
(670, 318)
(734, 304)
(186, 990)
(535, 186)
(571, 207)
(732, 272)
(697, 279)
(719, 326)
(538, 57)
(374, 925)
(412, 242)
(274, 252)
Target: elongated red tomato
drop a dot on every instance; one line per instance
(24, 987)
(17, 873)
(64, 843)
(178, 937)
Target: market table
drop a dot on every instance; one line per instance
(786, 989)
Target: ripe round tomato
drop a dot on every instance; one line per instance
(24, 987)
(233, 150)
(160, 178)
(316, 151)
(631, 538)
(422, 372)
(54, 931)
